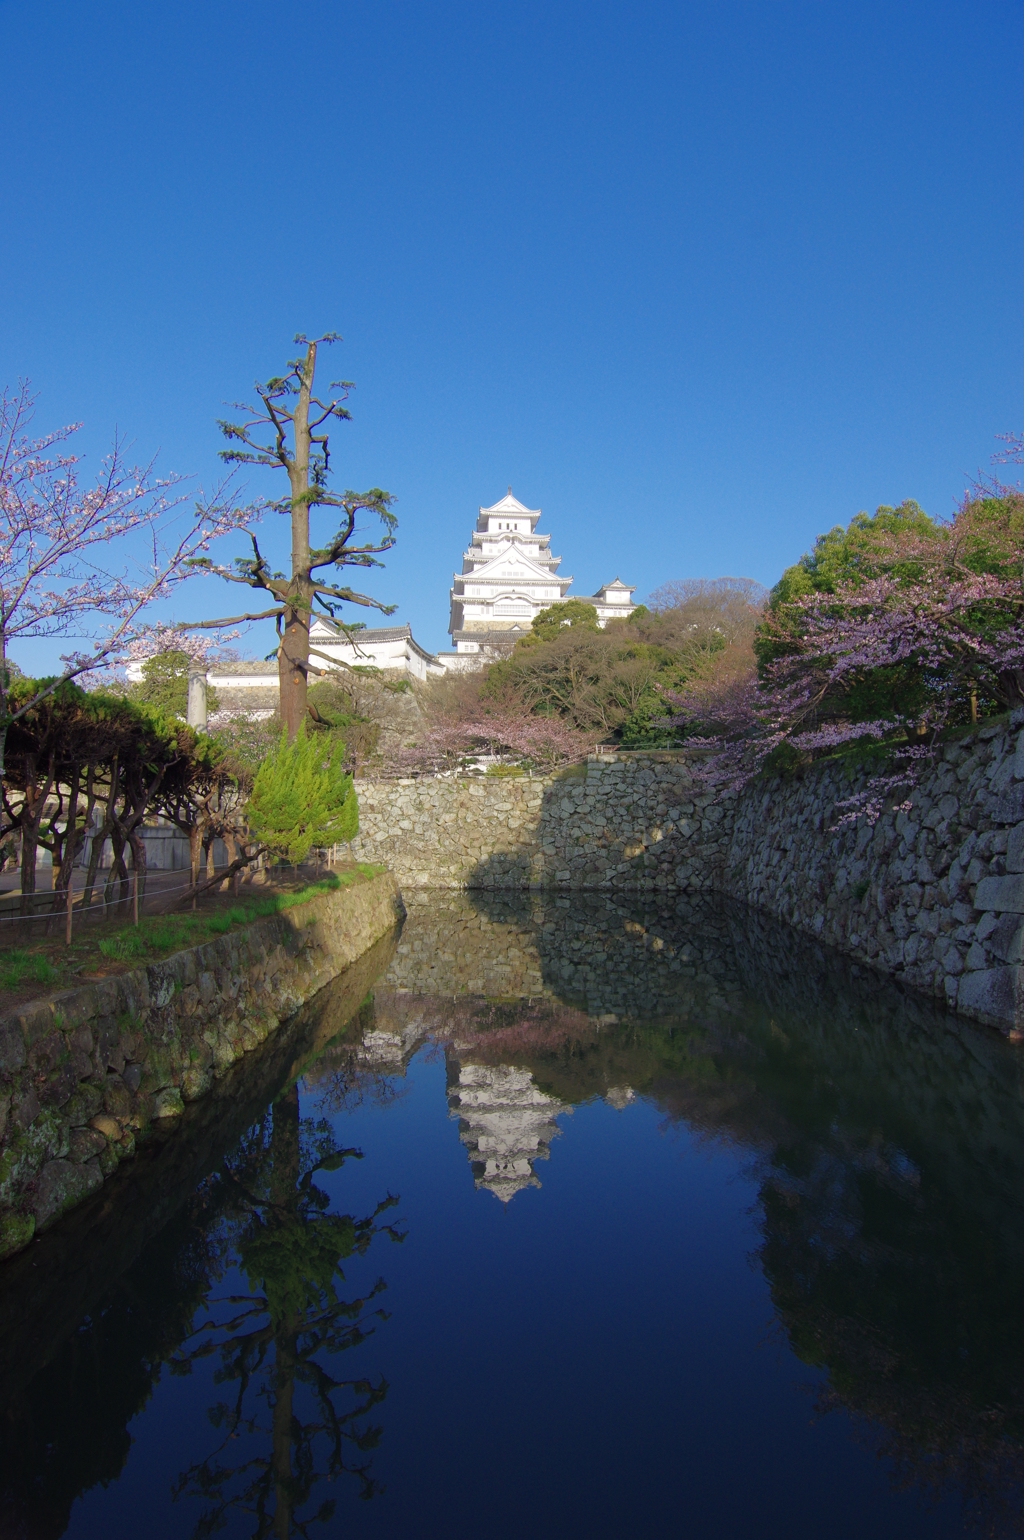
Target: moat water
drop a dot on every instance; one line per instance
(557, 1218)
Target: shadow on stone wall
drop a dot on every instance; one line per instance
(635, 822)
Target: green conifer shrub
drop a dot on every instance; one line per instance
(301, 797)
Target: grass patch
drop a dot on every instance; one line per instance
(165, 933)
(505, 772)
(19, 967)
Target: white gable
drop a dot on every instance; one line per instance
(510, 504)
(509, 565)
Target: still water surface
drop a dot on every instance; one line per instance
(557, 1218)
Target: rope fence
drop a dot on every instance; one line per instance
(95, 907)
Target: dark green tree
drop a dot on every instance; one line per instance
(570, 613)
(164, 684)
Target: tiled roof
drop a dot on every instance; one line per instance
(379, 634)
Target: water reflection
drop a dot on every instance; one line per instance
(505, 1121)
(887, 1136)
(288, 1420)
(246, 1270)
(886, 1140)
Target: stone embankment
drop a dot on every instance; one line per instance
(83, 1074)
(931, 890)
(617, 822)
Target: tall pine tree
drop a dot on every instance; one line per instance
(289, 430)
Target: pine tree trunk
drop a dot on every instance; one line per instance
(293, 655)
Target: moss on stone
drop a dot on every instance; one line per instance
(16, 1230)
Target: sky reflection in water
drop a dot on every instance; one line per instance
(588, 1219)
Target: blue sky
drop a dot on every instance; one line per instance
(700, 281)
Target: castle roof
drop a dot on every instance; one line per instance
(510, 504)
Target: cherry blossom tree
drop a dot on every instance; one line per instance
(509, 731)
(932, 637)
(69, 558)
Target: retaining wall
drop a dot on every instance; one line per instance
(84, 1073)
(617, 822)
(932, 893)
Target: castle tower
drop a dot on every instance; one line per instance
(509, 575)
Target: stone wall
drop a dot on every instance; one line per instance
(617, 822)
(84, 1073)
(932, 893)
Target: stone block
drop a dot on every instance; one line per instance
(1009, 807)
(168, 1103)
(105, 1125)
(84, 1143)
(59, 1186)
(1005, 940)
(12, 1048)
(36, 1021)
(994, 995)
(1001, 894)
(1015, 850)
(26, 1110)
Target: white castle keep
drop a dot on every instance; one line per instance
(508, 576)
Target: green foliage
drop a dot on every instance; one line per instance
(334, 708)
(916, 561)
(649, 726)
(301, 797)
(994, 535)
(164, 685)
(620, 680)
(245, 741)
(568, 614)
(885, 543)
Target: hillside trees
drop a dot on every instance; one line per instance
(889, 631)
(909, 624)
(289, 430)
(614, 681)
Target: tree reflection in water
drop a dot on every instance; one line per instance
(886, 1140)
(290, 1422)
